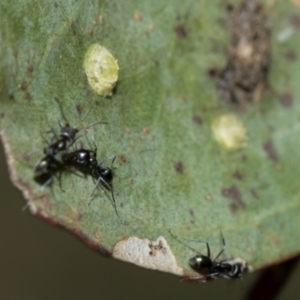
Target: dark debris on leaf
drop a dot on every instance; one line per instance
(197, 120)
(286, 100)
(180, 31)
(290, 56)
(234, 193)
(179, 167)
(244, 77)
(270, 150)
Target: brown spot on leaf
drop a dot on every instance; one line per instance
(197, 120)
(254, 193)
(123, 158)
(234, 193)
(295, 21)
(2, 115)
(23, 86)
(238, 175)
(146, 129)
(101, 19)
(191, 211)
(275, 239)
(290, 56)
(26, 157)
(244, 77)
(137, 16)
(91, 32)
(208, 198)
(28, 97)
(270, 150)
(286, 100)
(30, 69)
(73, 28)
(180, 31)
(179, 167)
(79, 109)
(11, 96)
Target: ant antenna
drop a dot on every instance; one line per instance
(224, 245)
(61, 110)
(179, 240)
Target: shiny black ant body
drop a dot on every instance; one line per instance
(228, 268)
(86, 162)
(48, 166)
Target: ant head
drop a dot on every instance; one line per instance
(199, 262)
(68, 132)
(106, 174)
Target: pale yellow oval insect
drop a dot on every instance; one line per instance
(101, 69)
(229, 131)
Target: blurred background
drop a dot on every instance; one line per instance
(39, 261)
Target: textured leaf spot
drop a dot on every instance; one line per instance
(155, 255)
(230, 132)
(101, 69)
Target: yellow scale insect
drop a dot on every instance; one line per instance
(101, 69)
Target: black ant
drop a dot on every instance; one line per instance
(86, 162)
(48, 166)
(228, 268)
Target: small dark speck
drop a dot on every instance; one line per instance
(244, 157)
(213, 73)
(73, 27)
(26, 157)
(179, 167)
(197, 119)
(290, 56)
(23, 86)
(55, 5)
(234, 207)
(229, 7)
(286, 100)
(30, 69)
(123, 158)
(238, 175)
(180, 31)
(11, 96)
(254, 193)
(234, 193)
(28, 97)
(79, 109)
(270, 150)
(295, 21)
(91, 32)
(191, 212)
(2, 115)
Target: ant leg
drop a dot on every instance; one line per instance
(223, 248)
(93, 140)
(110, 188)
(207, 245)
(59, 179)
(61, 110)
(179, 240)
(42, 187)
(113, 157)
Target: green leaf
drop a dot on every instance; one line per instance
(171, 175)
